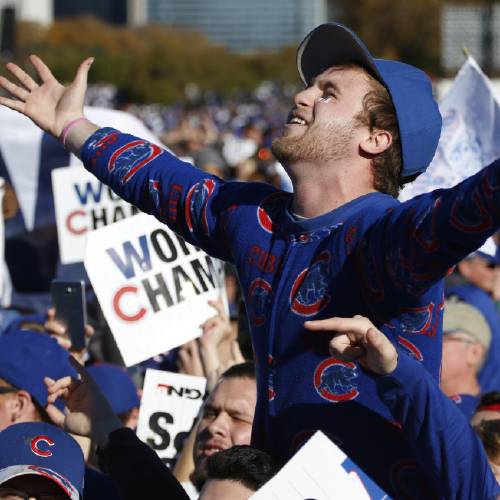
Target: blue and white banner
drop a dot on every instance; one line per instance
(470, 139)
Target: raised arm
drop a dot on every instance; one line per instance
(441, 438)
(188, 200)
(420, 240)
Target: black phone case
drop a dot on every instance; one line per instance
(68, 299)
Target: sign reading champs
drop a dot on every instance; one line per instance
(152, 286)
(83, 204)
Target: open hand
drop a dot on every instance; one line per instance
(357, 339)
(50, 105)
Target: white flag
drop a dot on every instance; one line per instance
(470, 139)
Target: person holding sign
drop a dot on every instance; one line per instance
(339, 245)
(438, 432)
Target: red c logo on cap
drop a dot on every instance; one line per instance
(38, 451)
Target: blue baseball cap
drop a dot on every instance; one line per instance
(27, 357)
(418, 115)
(117, 385)
(40, 449)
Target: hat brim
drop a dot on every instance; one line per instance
(35, 470)
(332, 44)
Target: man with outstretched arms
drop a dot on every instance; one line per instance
(340, 245)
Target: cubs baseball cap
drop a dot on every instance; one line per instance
(40, 449)
(419, 120)
(462, 317)
(117, 385)
(27, 357)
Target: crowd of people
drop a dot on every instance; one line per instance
(374, 321)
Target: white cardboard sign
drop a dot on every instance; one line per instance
(169, 405)
(152, 286)
(320, 470)
(83, 204)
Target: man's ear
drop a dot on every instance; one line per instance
(475, 354)
(376, 142)
(464, 268)
(22, 406)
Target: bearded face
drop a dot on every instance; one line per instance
(327, 119)
(318, 142)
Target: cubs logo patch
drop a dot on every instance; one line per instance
(268, 210)
(196, 204)
(417, 320)
(410, 348)
(471, 221)
(102, 138)
(35, 446)
(259, 300)
(308, 295)
(334, 380)
(130, 158)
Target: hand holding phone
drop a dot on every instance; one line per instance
(68, 299)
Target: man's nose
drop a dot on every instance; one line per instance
(219, 425)
(306, 97)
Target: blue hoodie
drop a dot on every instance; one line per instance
(372, 256)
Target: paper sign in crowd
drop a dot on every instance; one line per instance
(320, 470)
(152, 286)
(83, 204)
(169, 405)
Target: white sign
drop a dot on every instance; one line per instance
(320, 471)
(24, 147)
(169, 405)
(82, 204)
(470, 138)
(152, 286)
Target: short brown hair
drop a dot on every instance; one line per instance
(379, 113)
(489, 433)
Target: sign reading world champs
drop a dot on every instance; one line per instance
(83, 204)
(152, 286)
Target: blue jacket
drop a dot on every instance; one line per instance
(440, 436)
(372, 256)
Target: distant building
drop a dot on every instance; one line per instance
(242, 25)
(38, 11)
(111, 11)
(475, 27)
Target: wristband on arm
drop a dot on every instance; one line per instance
(68, 127)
